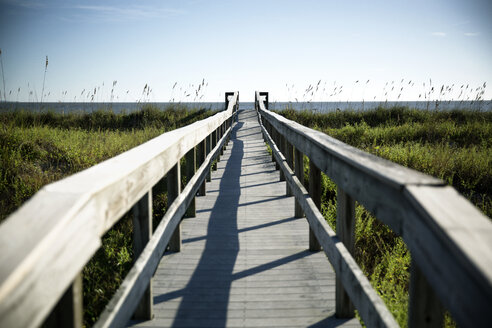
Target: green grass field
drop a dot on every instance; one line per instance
(455, 146)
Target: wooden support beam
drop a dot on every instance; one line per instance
(228, 124)
(346, 234)
(142, 232)
(214, 143)
(217, 138)
(425, 309)
(68, 312)
(281, 146)
(262, 122)
(173, 191)
(266, 101)
(201, 155)
(227, 95)
(275, 140)
(315, 193)
(299, 170)
(208, 145)
(289, 156)
(190, 172)
(222, 129)
(270, 131)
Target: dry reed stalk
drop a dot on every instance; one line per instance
(44, 78)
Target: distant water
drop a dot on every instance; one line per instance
(484, 105)
(120, 107)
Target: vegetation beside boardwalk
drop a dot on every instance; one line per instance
(40, 148)
(455, 146)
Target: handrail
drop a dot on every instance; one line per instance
(450, 240)
(46, 243)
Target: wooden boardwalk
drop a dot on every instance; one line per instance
(245, 259)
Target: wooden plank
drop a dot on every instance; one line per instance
(299, 169)
(69, 310)
(228, 96)
(452, 253)
(346, 233)
(280, 145)
(201, 154)
(263, 102)
(315, 193)
(425, 309)
(209, 145)
(222, 129)
(190, 172)
(289, 155)
(124, 302)
(173, 190)
(367, 302)
(68, 218)
(142, 232)
(275, 140)
(214, 143)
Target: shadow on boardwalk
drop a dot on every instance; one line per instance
(220, 246)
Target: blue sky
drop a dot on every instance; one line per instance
(245, 46)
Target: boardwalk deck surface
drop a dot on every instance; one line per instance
(244, 260)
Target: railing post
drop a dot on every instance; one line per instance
(142, 232)
(236, 113)
(299, 170)
(201, 155)
(275, 141)
(289, 156)
(209, 149)
(271, 132)
(315, 193)
(264, 94)
(214, 143)
(222, 131)
(173, 190)
(425, 309)
(280, 145)
(345, 231)
(227, 94)
(190, 172)
(68, 312)
(227, 125)
(218, 139)
(260, 121)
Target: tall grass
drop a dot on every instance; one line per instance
(455, 146)
(39, 148)
(44, 78)
(432, 95)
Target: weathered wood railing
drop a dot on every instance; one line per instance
(449, 239)
(46, 243)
